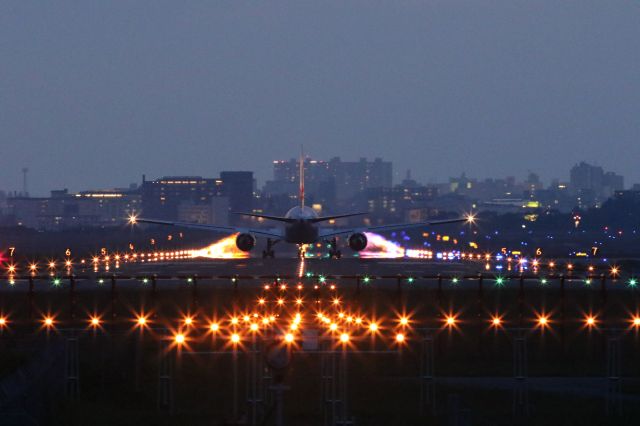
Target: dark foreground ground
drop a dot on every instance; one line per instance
(467, 372)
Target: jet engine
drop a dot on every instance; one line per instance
(245, 242)
(357, 241)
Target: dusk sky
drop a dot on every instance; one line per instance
(94, 94)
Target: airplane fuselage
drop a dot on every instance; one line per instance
(301, 232)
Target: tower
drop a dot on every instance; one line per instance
(25, 193)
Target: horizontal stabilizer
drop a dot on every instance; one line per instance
(338, 216)
(265, 216)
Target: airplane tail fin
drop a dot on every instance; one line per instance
(301, 195)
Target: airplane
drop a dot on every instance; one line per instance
(300, 228)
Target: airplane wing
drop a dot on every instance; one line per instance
(213, 228)
(333, 233)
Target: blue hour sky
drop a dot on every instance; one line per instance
(94, 94)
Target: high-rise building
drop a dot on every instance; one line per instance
(353, 177)
(162, 197)
(592, 185)
(334, 182)
(586, 177)
(64, 210)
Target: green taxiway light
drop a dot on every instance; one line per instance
(499, 281)
(633, 282)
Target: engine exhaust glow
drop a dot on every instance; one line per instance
(379, 247)
(222, 249)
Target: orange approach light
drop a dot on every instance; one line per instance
(543, 321)
(450, 320)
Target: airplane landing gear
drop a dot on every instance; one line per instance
(269, 252)
(301, 251)
(333, 249)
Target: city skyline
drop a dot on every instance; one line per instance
(398, 175)
(332, 187)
